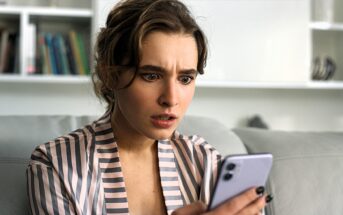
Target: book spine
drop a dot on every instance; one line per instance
(76, 52)
(70, 56)
(16, 55)
(48, 41)
(4, 43)
(63, 55)
(82, 49)
(57, 55)
(44, 55)
(10, 53)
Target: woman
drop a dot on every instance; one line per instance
(132, 160)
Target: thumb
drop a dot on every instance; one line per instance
(195, 208)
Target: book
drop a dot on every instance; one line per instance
(51, 54)
(43, 55)
(76, 52)
(63, 54)
(84, 59)
(57, 55)
(16, 68)
(10, 53)
(3, 45)
(70, 56)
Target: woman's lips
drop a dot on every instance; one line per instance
(163, 120)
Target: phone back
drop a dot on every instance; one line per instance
(239, 173)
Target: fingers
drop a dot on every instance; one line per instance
(238, 203)
(251, 202)
(254, 207)
(192, 209)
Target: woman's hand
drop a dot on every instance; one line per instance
(251, 202)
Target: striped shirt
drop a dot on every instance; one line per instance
(80, 173)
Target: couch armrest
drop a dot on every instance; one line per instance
(307, 171)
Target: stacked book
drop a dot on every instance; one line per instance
(9, 51)
(61, 54)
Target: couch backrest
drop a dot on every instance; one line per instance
(307, 173)
(19, 135)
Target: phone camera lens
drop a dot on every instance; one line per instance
(227, 176)
(230, 166)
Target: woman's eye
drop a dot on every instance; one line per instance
(186, 79)
(150, 76)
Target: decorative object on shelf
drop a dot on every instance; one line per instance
(54, 3)
(257, 122)
(323, 10)
(31, 48)
(323, 71)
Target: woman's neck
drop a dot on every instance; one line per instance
(131, 142)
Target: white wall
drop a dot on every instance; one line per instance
(255, 40)
(249, 40)
(46, 99)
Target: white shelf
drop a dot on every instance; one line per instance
(47, 11)
(329, 85)
(63, 79)
(10, 10)
(65, 12)
(69, 79)
(326, 26)
(335, 85)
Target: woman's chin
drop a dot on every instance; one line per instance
(162, 135)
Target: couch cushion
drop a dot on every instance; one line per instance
(13, 197)
(19, 135)
(307, 171)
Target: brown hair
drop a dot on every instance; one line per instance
(119, 42)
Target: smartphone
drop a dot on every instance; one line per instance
(238, 173)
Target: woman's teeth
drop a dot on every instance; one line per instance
(164, 118)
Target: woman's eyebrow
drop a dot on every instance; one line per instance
(189, 71)
(152, 68)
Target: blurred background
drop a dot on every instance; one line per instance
(276, 64)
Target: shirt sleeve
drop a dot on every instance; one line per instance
(46, 191)
(211, 165)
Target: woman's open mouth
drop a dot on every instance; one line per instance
(163, 120)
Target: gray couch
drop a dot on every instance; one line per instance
(306, 178)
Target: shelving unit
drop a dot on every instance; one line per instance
(45, 19)
(327, 37)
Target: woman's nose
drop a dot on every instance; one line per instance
(169, 96)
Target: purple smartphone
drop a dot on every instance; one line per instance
(239, 173)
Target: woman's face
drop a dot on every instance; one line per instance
(164, 86)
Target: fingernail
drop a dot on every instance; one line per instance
(260, 190)
(269, 198)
